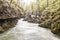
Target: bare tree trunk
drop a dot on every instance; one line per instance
(47, 3)
(39, 10)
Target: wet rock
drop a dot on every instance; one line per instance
(7, 23)
(31, 17)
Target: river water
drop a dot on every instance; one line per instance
(28, 31)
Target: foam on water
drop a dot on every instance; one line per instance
(28, 31)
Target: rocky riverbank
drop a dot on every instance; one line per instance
(49, 18)
(28, 31)
(9, 14)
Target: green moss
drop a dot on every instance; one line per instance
(51, 17)
(7, 24)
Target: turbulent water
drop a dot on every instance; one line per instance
(28, 31)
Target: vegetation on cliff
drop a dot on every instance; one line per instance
(9, 14)
(46, 13)
(50, 17)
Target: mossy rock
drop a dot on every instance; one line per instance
(46, 24)
(7, 24)
(55, 28)
(9, 10)
(9, 14)
(50, 18)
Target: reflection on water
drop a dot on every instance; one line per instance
(28, 31)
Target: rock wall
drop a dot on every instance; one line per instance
(9, 14)
(50, 18)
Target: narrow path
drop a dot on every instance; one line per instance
(28, 31)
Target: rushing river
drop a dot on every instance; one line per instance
(28, 31)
